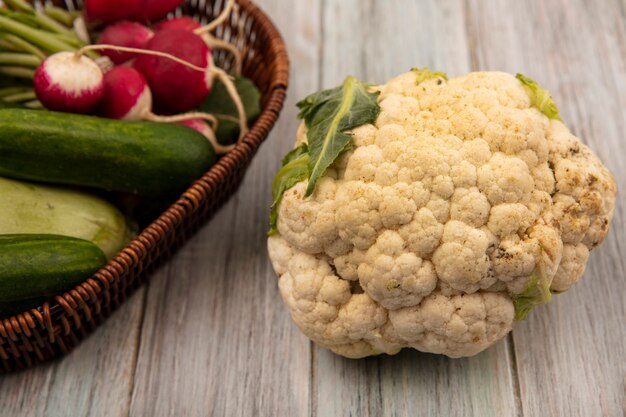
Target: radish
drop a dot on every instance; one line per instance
(65, 82)
(157, 9)
(107, 11)
(203, 127)
(178, 88)
(196, 124)
(188, 24)
(68, 82)
(129, 34)
(179, 23)
(127, 96)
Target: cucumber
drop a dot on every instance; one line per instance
(42, 209)
(33, 268)
(144, 158)
(6, 105)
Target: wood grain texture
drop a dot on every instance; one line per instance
(210, 335)
(571, 354)
(376, 40)
(416, 384)
(94, 380)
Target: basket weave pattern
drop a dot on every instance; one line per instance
(55, 328)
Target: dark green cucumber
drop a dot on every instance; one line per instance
(6, 105)
(34, 268)
(144, 158)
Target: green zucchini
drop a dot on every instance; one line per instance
(33, 268)
(144, 158)
(34, 208)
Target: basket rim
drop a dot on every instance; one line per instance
(134, 252)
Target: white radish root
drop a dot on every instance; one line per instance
(223, 16)
(215, 43)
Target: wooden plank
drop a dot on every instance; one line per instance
(414, 384)
(217, 339)
(375, 41)
(94, 380)
(25, 393)
(571, 354)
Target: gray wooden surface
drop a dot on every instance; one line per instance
(209, 335)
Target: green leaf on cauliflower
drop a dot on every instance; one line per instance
(537, 292)
(295, 169)
(329, 115)
(539, 97)
(423, 74)
(295, 153)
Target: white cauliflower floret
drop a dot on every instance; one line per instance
(458, 325)
(461, 260)
(423, 234)
(309, 223)
(394, 277)
(457, 202)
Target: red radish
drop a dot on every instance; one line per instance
(157, 9)
(107, 11)
(179, 23)
(128, 97)
(68, 82)
(199, 125)
(190, 25)
(129, 34)
(177, 88)
(203, 127)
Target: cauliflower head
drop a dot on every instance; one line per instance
(460, 206)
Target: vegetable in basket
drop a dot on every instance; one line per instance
(51, 66)
(183, 77)
(431, 213)
(143, 10)
(126, 34)
(143, 158)
(34, 268)
(32, 208)
(27, 36)
(135, 35)
(176, 64)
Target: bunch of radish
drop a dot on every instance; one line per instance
(162, 73)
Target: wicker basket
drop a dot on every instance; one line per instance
(55, 328)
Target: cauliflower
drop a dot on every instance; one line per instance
(453, 208)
